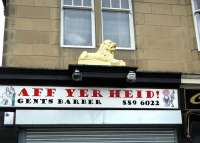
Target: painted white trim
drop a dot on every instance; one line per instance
(2, 26)
(120, 3)
(62, 25)
(98, 117)
(115, 9)
(76, 7)
(125, 48)
(196, 25)
(76, 46)
(190, 79)
(93, 26)
(131, 25)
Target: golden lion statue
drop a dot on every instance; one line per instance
(103, 56)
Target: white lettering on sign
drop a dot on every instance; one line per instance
(87, 97)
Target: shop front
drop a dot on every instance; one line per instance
(91, 104)
(192, 114)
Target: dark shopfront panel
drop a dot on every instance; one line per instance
(192, 114)
(7, 134)
(160, 126)
(195, 132)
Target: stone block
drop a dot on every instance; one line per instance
(10, 36)
(169, 40)
(54, 38)
(182, 2)
(192, 62)
(11, 10)
(54, 25)
(73, 53)
(33, 24)
(23, 24)
(126, 55)
(44, 3)
(163, 1)
(42, 24)
(22, 49)
(142, 7)
(139, 0)
(45, 50)
(10, 23)
(55, 13)
(131, 62)
(162, 20)
(162, 9)
(24, 2)
(32, 12)
(187, 21)
(188, 2)
(139, 18)
(176, 66)
(139, 44)
(179, 10)
(189, 10)
(139, 30)
(32, 37)
(43, 62)
(142, 65)
(165, 66)
(47, 3)
(34, 50)
(67, 61)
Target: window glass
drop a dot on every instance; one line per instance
(198, 20)
(67, 2)
(78, 23)
(124, 4)
(77, 27)
(115, 3)
(197, 4)
(87, 2)
(196, 17)
(105, 3)
(77, 3)
(118, 23)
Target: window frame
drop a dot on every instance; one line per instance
(95, 41)
(196, 23)
(131, 23)
(62, 7)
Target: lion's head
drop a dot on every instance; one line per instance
(103, 56)
(108, 45)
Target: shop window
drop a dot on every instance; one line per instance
(196, 16)
(114, 21)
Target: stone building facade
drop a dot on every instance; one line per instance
(164, 50)
(164, 36)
